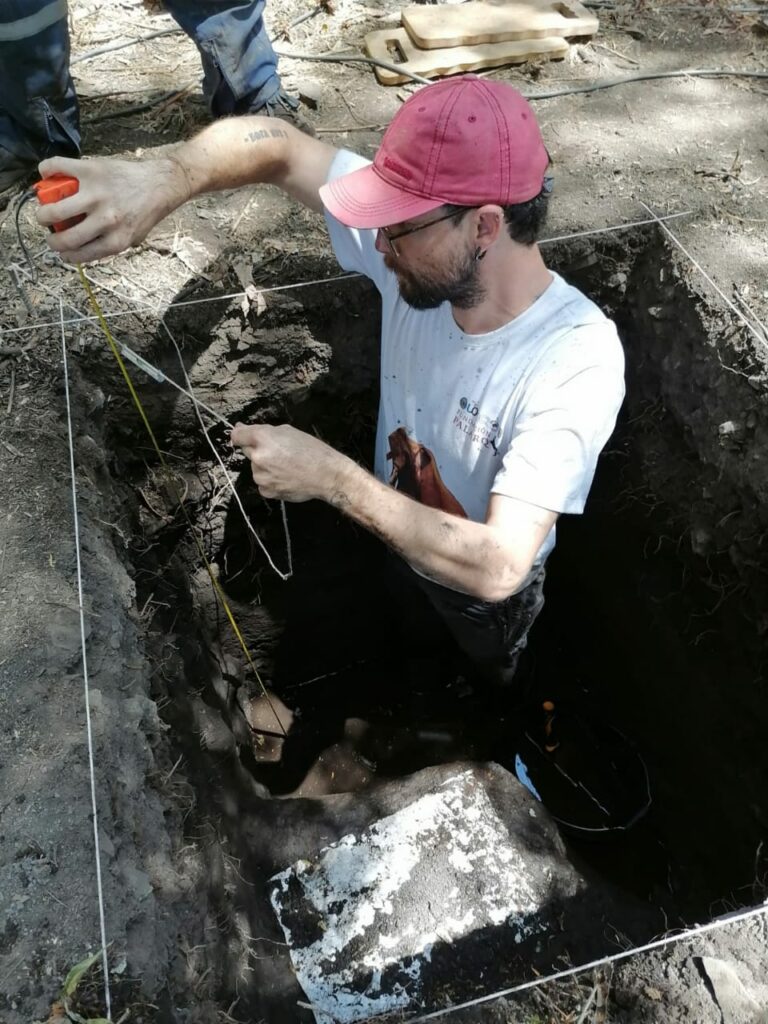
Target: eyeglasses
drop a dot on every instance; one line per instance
(390, 238)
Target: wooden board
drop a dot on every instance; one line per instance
(397, 47)
(485, 21)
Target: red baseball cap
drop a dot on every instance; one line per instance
(466, 141)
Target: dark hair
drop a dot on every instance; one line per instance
(459, 212)
(524, 220)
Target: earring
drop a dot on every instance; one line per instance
(479, 254)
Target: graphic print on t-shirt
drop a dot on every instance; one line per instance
(415, 473)
(484, 431)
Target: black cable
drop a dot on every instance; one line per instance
(355, 58)
(138, 107)
(649, 76)
(610, 83)
(121, 46)
(31, 194)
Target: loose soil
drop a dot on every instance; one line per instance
(656, 596)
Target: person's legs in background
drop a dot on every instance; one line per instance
(39, 115)
(239, 64)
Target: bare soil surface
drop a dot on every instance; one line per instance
(668, 629)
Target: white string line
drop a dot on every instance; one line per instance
(89, 731)
(129, 354)
(158, 374)
(600, 231)
(721, 922)
(144, 364)
(755, 317)
(289, 551)
(735, 309)
(321, 280)
(190, 393)
(683, 936)
(175, 305)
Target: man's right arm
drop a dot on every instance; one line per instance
(122, 200)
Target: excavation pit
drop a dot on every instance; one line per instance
(654, 596)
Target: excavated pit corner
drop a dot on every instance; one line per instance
(656, 596)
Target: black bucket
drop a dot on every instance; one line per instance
(589, 775)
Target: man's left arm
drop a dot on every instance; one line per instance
(489, 560)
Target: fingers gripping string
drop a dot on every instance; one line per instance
(189, 392)
(230, 483)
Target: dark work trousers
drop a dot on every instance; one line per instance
(490, 635)
(39, 114)
(38, 107)
(239, 64)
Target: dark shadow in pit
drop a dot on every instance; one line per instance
(655, 664)
(621, 609)
(278, 833)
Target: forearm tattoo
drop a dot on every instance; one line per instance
(266, 133)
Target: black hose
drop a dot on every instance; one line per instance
(22, 202)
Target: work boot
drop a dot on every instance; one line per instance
(14, 175)
(286, 108)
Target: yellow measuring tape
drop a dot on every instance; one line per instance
(163, 462)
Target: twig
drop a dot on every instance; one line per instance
(358, 58)
(22, 291)
(609, 49)
(243, 212)
(166, 778)
(163, 98)
(54, 897)
(176, 96)
(350, 128)
(305, 17)
(160, 515)
(9, 408)
(10, 350)
(587, 1005)
(121, 46)
(9, 447)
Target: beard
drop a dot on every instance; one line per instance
(459, 284)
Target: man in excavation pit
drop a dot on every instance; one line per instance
(500, 383)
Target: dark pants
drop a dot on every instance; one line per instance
(489, 635)
(239, 64)
(39, 114)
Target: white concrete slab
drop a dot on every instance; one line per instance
(363, 920)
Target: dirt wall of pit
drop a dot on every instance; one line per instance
(670, 555)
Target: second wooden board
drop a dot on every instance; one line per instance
(482, 21)
(396, 47)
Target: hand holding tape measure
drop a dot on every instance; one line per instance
(98, 208)
(52, 190)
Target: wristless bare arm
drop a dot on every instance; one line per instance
(490, 560)
(124, 199)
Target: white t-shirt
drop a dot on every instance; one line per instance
(522, 411)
